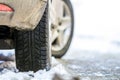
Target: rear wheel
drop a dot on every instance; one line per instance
(32, 47)
(62, 23)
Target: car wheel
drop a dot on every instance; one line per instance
(32, 47)
(62, 23)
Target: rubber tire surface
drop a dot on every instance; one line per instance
(59, 54)
(32, 47)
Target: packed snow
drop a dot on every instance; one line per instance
(57, 68)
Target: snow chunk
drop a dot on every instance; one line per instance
(57, 68)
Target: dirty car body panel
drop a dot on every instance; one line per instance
(26, 13)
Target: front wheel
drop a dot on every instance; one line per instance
(62, 25)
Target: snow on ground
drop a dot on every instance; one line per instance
(7, 53)
(57, 68)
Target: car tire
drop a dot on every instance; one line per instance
(61, 53)
(32, 47)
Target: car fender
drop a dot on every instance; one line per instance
(26, 15)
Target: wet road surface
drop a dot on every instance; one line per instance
(101, 67)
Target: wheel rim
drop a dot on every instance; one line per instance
(60, 22)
